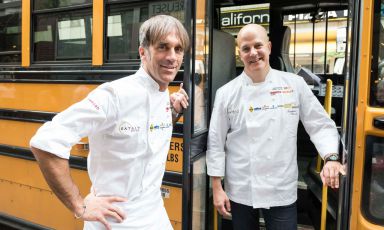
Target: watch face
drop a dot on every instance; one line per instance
(333, 158)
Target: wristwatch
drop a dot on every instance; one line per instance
(332, 157)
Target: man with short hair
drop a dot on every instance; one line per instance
(253, 134)
(129, 126)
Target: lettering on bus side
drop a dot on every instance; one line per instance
(166, 7)
(175, 147)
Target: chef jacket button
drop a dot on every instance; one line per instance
(254, 139)
(269, 138)
(268, 157)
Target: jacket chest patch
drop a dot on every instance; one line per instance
(127, 128)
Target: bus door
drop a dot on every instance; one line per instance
(367, 167)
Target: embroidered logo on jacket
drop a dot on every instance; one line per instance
(281, 90)
(161, 126)
(126, 128)
(94, 104)
(271, 107)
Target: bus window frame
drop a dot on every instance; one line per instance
(113, 7)
(7, 5)
(78, 9)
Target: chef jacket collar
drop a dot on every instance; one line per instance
(148, 80)
(248, 80)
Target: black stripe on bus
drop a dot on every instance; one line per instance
(173, 179)
(75, 162)
(70, 76)
(17, 223)
(42, 117)
(26, 115)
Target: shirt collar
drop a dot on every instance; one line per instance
(248, 80)
(148, 80)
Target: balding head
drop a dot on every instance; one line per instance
(249, 30)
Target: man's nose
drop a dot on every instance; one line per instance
(253, 51)
(171, 56)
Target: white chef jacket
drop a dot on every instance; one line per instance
(253, 135)
(129, 126)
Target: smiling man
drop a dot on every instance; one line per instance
(252, 139)
(129, 126)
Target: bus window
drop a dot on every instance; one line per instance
(318, 40)
(10, 32)
(63, 35)
(123, 25)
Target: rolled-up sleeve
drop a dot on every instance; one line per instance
(218, 129)
(320, 127)
(79, 120)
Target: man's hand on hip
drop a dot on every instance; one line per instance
(98, 208)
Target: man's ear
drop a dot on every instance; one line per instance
(141, 52)
(270, 47)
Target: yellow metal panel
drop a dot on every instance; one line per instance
(26, 195)
(42, 97)
(19, 133)
(176, 225)
(175, 155)
(25, 33)
(172, 202)
(98, 32)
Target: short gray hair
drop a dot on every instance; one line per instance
(158, 27)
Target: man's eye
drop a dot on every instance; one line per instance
(245, 49)
(162, 47)
(179, 50)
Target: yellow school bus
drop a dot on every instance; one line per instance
(54, 52)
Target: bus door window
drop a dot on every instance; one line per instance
(10, 32)
(200, 86)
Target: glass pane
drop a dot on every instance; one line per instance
(233, 18)
(337, 40)
(10, 34)
(123, 24)
(199, 194)
(289, 20)
(123, 31)
(300, 51)
(319, 43)
(201, 86)
(49, 4)
(377, 94)
(373, 194)
(8, 1)
(63, 36)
